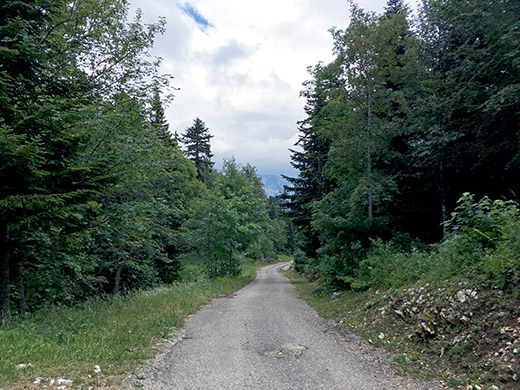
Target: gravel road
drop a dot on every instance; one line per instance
(266, 337)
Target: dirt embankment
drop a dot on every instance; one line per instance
(470, 337)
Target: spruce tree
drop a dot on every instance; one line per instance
(198, 149)
(311, 183)
(395, 7)
(62, 67)
(158, 120)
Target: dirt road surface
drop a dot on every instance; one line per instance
(266, 337)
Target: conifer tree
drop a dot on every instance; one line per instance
(395, 7)
(311, 183)
(158, 120)
(62, 67)
(198, 148)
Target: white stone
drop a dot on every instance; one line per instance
(62, 381)
(461, 296)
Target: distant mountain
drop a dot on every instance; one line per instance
(273, 184)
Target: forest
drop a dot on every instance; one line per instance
(402, 218)
(408, 158)
(409, 155)
(97, 196)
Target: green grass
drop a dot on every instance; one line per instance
(284, 258)
(116, 334)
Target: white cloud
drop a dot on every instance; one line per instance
(243, 74)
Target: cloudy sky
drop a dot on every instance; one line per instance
(240, 65)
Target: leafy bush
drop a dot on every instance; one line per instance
(300, 260)
(484, 244)
(338, 270)
(503, 265)
(386, 266)
(484, 239)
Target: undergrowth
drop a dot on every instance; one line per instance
(482, 245)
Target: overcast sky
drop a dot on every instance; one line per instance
(240, 65)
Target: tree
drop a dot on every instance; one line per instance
(366, 112)
(311, 183)
(139, 213)
(469, 57)
(37, 169)
(229, 218)
(368, 56)
(158, 120)
(414, 118)
(59, 64)
(395, 7)
(198, 149)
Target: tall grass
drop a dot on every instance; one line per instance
(115, 334)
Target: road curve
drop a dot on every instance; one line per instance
(265, 337)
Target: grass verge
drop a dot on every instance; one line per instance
(470, 341)
(115, 334)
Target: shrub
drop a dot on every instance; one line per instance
(387, 266)
(485, 240)
(483, 244)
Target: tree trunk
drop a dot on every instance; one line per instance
(22, 303)
(16, 279)
(5, 288)
(370, 195)
(444, 207)
(117, 279)
(369, 159)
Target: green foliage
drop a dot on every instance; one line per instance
(503, 265)
(482, 221)
(388, 267)
(95, 194)
(230, 218)
(483, 246)
(485, 239)
(198, 149)
(261, 248)
(311, 183)
(411, 118)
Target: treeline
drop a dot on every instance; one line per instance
(410, 115)
(96, 196)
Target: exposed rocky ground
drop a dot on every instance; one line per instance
(469, 336)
